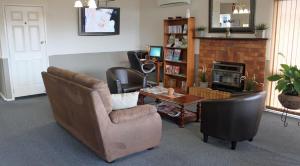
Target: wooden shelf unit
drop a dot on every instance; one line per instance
(187, 56)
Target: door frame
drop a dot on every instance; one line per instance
(6, 41)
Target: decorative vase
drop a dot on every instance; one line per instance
(203, 85)
(290, 102)
(201, 33)
(188, 13)
(260, 33)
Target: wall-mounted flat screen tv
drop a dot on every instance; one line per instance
(102, 21)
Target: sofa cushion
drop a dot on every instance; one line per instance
(124, 100)
(131, 88)
(125, 115)
(69, 75)
(86, 81)
(98, 85)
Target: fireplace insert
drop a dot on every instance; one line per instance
(226, 76)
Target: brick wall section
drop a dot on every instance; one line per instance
(251, 52)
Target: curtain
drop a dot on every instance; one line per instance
(285, 40)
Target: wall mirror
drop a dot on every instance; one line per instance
(238, 15)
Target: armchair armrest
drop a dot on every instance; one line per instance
(122, 116)
(114, 83)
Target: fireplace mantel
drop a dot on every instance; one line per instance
(250, 51)
(231, 38)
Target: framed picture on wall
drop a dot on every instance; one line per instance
(102, 21)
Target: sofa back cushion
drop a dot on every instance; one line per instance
(87, 81)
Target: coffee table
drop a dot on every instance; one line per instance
(181, 102)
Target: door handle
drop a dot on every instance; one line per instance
(43, 42)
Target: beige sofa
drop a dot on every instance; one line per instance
(82, 105)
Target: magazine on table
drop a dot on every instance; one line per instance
(171, 110)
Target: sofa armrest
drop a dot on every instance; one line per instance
(122, 116)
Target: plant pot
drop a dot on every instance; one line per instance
(260, 33)
(200, 33)
(203, 85)
(289, 102)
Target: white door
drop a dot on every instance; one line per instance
(27, 48)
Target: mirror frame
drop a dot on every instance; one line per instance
(250, 29)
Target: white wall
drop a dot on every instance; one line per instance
(62, 28)
(63, 42)
(152, 16)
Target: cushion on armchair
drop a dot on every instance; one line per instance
(125, 115)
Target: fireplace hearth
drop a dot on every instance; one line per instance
(226, 76)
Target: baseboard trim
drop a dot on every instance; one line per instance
(4, 98)
(280, 113)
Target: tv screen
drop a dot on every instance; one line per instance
(99, 22)
(155, 52)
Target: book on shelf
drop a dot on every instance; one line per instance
(175, 29)
(176, 70)
(185, 28)
(169, 54)
(176, 55)
(169, 69)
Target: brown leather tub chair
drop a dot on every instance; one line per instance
(235, 119)
(82, 105)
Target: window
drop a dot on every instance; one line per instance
(285, 39)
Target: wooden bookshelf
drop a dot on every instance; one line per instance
(186, 60)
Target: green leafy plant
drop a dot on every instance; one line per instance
(202, 28)
(288, 81)
(261, 27)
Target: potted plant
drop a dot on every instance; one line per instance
(260, 30)
(201, 31)
(288, 84)
(202, 77)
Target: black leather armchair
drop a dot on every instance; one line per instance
(124, 80)
(236, 119)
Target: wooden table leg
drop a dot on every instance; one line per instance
(181, 117)
(158, 73)
(198, 111)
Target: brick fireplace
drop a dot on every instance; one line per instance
(250, 51)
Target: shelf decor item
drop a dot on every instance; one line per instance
(260, 30)
(202, 77)
(201, 31)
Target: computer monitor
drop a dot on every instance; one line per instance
(156, 52)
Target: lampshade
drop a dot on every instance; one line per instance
(246, 11)
(92, 4)
(78, 4)
(241, 11)
(235, 11)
